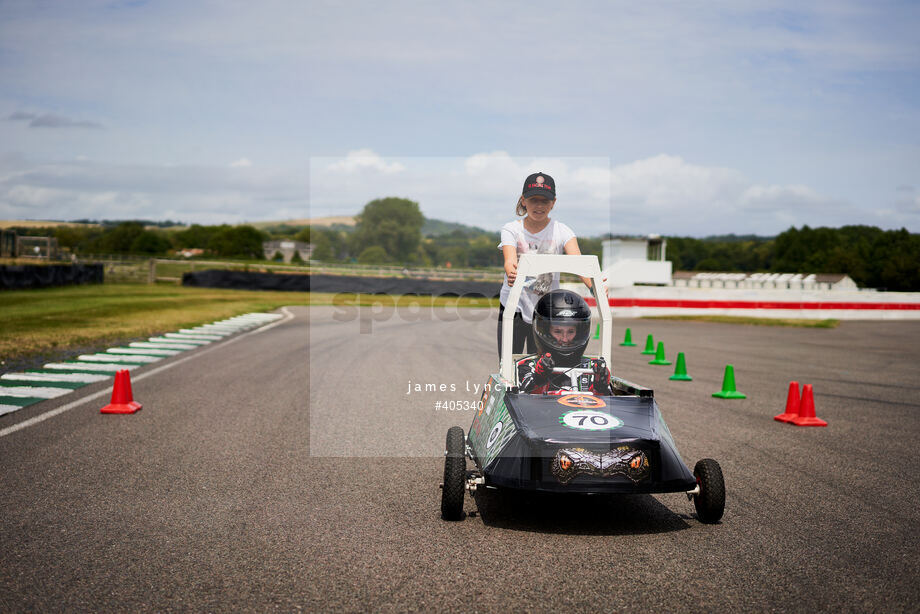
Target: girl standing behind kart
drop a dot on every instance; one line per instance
(539, 234)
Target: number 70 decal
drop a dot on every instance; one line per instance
(589, 420)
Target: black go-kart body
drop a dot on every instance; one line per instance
(571, 441)
(574, 442)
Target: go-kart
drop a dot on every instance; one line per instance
(570, 441)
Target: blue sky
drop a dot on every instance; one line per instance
(673, 117)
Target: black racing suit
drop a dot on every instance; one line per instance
(535, 380)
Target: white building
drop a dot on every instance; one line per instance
(287, 249)
(764, 281)
(640, 284)
(636, 261)
(631, 262)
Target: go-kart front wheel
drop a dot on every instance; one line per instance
(454, 475)
(710, 502)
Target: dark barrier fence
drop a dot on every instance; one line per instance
(17, 277)
(242, 280)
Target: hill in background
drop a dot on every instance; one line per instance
(40, 224)
(431, 227)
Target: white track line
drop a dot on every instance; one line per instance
(29, 391)
(117, 358)
(200, 333)
(80, 378)
(87, 366)
(143, 352)
(60, 410)
(192, 342)
(161, 346)
(193, 337)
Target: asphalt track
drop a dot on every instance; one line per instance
(289, 469)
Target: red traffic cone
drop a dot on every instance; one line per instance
(122, 398)
(806, 415)
(792, 404)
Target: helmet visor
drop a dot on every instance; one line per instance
(563, 333)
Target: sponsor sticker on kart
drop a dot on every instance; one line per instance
(589, 420)
(586, 401)
(493, 435)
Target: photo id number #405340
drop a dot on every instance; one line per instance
(463, 405)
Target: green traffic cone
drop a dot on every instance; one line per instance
(659, 356)
(728, 386)
(597, 331)
(680, 370)
(649, 345)
(627, 341)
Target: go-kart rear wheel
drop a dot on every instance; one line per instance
(710, 502)
(454, 475)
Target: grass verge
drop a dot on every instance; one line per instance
(37, 321)
(755, 321)
(51, 320)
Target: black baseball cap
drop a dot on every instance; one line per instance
(539, 184)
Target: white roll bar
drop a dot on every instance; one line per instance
(531, 265)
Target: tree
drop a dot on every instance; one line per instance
(393, 224)
(237, 241)
(76, 238)
(589, 246)
(455, 255)
(322, 248)
(304, 235)
(196, 235)
(482, 252)
(119, 240)
(373, 255)
(791, 250)
(149, 242)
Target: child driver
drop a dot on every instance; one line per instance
(561, 326)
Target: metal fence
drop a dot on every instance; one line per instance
(120, 268)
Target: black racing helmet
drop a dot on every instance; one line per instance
(562, 326)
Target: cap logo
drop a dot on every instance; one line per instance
(565, 313)
(540, 179)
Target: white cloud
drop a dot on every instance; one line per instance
(662, 193)
(786, 196)
(664, 182)
(669, 195)
(491, 164)
(779, 110)
(479, 190)
(210, 195)
(364, 160)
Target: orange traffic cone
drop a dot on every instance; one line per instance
(806, 415)
(792, 404)
(122, 398)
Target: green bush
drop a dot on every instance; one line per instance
(237, 241)
(150, 242)
(373, 255)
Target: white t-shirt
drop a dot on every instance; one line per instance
(550, 240)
